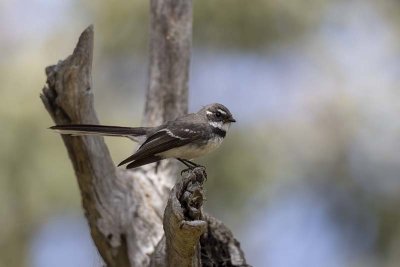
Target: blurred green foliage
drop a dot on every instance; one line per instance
(236, 170)
(257, 24)
(232, 24)
(123, 26)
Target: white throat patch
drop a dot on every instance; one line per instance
(220, 125)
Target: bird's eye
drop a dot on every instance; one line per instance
(218, 114)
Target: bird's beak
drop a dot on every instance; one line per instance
(231, 119)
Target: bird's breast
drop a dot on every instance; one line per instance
(193, 150)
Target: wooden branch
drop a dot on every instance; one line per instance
(167, 98)
(124, 209)
(183, 224)
(191, 238)
(219, 247)
(68, 98)
(170, 48)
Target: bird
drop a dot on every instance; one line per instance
(185, 138)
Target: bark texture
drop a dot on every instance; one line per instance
(170, 46)
(127, 211)
(124, 209)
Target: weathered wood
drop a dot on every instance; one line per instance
(125, 208)
(183, 224)
(68, 98)
(183, 221)
(167, 88)
(193, 238)
(219, 247)
(170, 46)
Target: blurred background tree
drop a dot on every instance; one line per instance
(313, 162)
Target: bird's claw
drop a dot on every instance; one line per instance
(203, 169)
(186, 170)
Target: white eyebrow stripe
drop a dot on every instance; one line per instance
(209, 112)
(220, 110)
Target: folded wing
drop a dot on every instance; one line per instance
(159, 142)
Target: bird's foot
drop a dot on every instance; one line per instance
(198, 171)
(189, 164)
(186, 170)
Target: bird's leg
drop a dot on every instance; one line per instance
(189, 167)
(189, 164)
(184, 161)
(193, 164)
(198, 166)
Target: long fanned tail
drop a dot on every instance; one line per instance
(89, 129)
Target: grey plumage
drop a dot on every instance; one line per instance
(186, 137)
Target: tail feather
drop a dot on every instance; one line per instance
(89, 129)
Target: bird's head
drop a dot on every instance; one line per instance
(218, 116)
